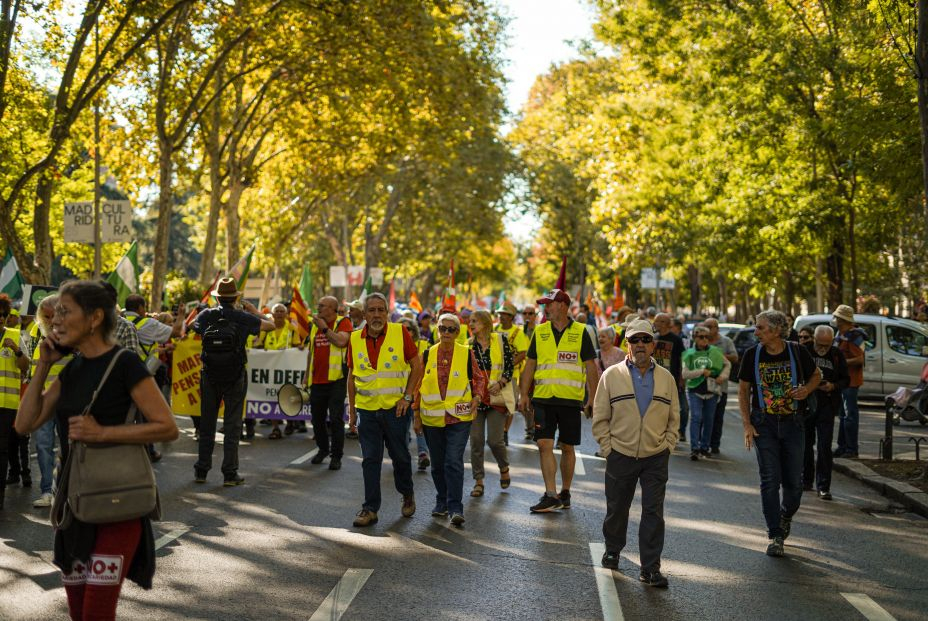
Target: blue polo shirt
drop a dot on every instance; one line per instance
(643, 385)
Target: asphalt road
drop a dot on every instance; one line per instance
(282, 547)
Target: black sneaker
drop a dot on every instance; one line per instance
(547, 504)
(199, 476)
(705, 453)
(301, 427)
(423, 461)
(318, 458)
(232, 480)
(714, 450)
(785, 524)
(824, 494)
(335, 464)
(12, 479)
(654, 579)
(249, 435)
(27, 480)
(610, 560)
(440, 511)
(564, 497)
(776, 547)
(694, 455)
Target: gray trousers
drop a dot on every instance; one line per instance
(622, 477)
(487, 428)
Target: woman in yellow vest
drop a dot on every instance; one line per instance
(283, 336)
(13, 363)
(495, 359)
(446, 409)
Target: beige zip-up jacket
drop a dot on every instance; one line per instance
(617, 425)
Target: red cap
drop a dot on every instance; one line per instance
(555, 295)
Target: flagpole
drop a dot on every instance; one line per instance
(97, 251)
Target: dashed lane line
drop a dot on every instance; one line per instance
(867, 607)
(304, 458)
(340, 597)
(605, 585)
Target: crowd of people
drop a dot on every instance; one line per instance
(451, 379)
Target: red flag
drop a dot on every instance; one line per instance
(414, 302)
(450, 298)
(562, 278)
(299, 314)
(391, 306)
(618, 300)
(206, 298)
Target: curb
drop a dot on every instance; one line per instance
(912, 498)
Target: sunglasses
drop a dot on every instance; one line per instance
(447, 329)
(805, 337)
(528, 312)
(640, 339)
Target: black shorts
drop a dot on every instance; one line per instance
(564, 419)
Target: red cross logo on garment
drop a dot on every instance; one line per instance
(112, 567)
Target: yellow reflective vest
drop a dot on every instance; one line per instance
(559, 373)
(10, 375)
(37, 354)
(379, 388)
(281, 338)
(432, 408)
(337, 355)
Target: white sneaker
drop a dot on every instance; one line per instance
(45, 500)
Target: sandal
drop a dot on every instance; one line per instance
(275, 434)
(504, 483)
(477, 491)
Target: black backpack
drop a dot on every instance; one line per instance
(223, 350)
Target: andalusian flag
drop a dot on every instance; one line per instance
(125, 278)
(366, 290)
(239, 271)
(301, 303)
(11, 281)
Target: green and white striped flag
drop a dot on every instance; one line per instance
(126, 275)
(239, 271)
(11, 281)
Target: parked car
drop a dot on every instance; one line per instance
(744, 340)
(895, 350)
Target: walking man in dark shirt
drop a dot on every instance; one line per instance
(668, 352)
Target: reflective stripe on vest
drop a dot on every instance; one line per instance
(379, 388)
(10, 376)
(457, 394)
(560, 373)
(140, 321)
(278, 339)
(54, 370)
(337, 355)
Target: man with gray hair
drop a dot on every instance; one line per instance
(820, 424)
(776, 377)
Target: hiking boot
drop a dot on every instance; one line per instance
(564, 497)
(610, 560)
(776, 547)
(654, 579)
(457, 519)
(785, 524)
(335, 464)
(231, 480)
(547, 504)
(365, 518)
(318, 458)
(409, 506)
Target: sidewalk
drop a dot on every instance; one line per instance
(914, 499)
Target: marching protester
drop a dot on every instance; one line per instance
(84, 320)
(384, 369)
(13, 364)
(668, 352)
(426, 330)
(609, 353)
(446, 408)
(775, 379)
(356, 314)
(494, 356)
(635, 423)
(561, 362)
(705, 367)
(283, 336)
(224, 330)
(820, 421)
(529, 316)
(519, 344)
(851, 340)
(326, 379)
(422, 447)
(717, 339)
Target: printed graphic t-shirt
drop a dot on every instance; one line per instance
(775, 377)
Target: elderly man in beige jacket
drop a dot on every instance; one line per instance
(636, 420)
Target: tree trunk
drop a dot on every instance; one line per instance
(693, 277)
(852, 243)
(723, 296)
(163, 232)
(834, 270)
(921, 63)
(44, 252)
(233, 221)
(215, 195)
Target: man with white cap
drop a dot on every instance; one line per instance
(850, 340)
(636, 420)
(507, 313)
(561, 361)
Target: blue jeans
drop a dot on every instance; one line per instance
(719, 421)
(376, 429)
(850, 420)
(702, 416)
(447, 445)
(422, 447)
(779, 449)
(684, 412)
(45, 454)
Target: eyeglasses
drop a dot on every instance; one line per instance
(640, 339)
(529, 313)
(448, 329)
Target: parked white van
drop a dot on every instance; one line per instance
(895, 351)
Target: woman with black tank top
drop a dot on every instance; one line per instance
(96, 558)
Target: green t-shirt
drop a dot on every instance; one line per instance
(710, 358)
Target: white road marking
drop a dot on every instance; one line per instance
(867, 607)
(339, 598)
(605, 584)
(164, 540)
(578, 466)
(305, 458)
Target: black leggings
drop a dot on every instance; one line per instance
(7, 416)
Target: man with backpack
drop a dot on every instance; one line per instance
(224, 330)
